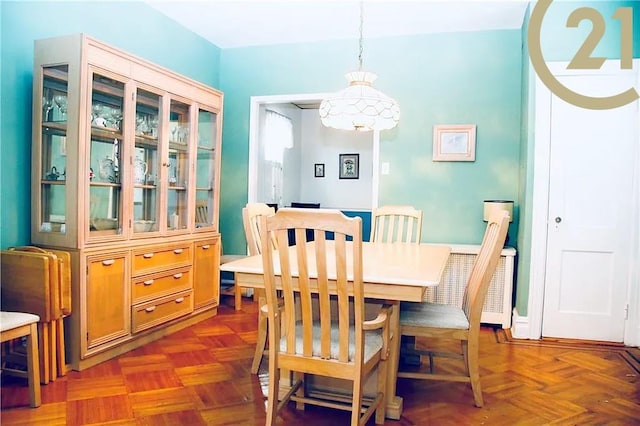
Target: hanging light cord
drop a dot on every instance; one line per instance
(361, 44)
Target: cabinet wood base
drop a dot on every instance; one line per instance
(136, 342)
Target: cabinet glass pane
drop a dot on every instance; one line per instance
(146, 163)
(178, 165)
(53, 188)
(105, 156)
(205, 172)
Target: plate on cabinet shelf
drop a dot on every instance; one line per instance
(105, 128)
(103, 223)
(58, 218)
(143, 225)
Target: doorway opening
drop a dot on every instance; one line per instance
(314, 147)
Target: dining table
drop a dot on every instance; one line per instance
(392, 272)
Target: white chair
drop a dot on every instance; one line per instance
(14, 325)
(439, 321)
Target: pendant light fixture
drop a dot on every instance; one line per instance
(360, 106)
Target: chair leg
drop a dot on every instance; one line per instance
(471, 358)
(237, 296)
(53, 353)
(261, 343)
(356, 405)
(381, 411)
(43, 344)
(298, 377)
(272, 396)
(62, 363)
(33, 366)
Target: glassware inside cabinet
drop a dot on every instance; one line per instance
(146, 162)
(105, 156)
(178, 163)
(205, 171)
(53, 162)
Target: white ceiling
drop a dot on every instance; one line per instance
(240, 23)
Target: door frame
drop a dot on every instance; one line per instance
(540, 207)
(254, 125)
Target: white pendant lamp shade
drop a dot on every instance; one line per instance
(360, 106)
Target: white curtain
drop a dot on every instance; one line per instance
(278, 136)
(278, 132)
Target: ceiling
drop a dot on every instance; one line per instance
(240, 23)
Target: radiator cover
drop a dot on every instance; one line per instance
(498, 304)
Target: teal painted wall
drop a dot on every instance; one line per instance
(525, 192)
(463, 78)
(133, 26)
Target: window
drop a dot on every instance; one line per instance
(278, 136)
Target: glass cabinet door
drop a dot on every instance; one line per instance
(146, 163)
(105, 156)
(205, 168)
(53, 188)
(178, 165)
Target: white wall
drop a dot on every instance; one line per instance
(323, 145)
(314, 143)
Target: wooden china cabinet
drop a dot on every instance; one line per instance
(126, 167)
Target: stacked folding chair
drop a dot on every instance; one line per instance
(38, 281)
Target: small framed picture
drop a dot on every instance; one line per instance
(349, 166)
(454, 142)
(318, 170)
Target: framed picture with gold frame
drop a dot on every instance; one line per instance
(454, 142)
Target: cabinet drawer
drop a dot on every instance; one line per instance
(156, 312)
(160, 258)
(160, 284)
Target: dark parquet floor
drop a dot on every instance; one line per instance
(201, 376)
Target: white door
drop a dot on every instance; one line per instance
(589, 241)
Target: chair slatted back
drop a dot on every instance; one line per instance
(396, 224)
(251, 214)
(317, 267)
(484, 267)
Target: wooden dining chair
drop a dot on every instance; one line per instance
(251, 215)
(14, 325)
(202, 212)
(327, 338)
(391, 224)
(439, 321)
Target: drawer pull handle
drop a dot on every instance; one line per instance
(179, 299)
(177, 276)
(205, 247)
(150, 309)
(148, 282)
(147, 255)
(177, 251)
(108, 262)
